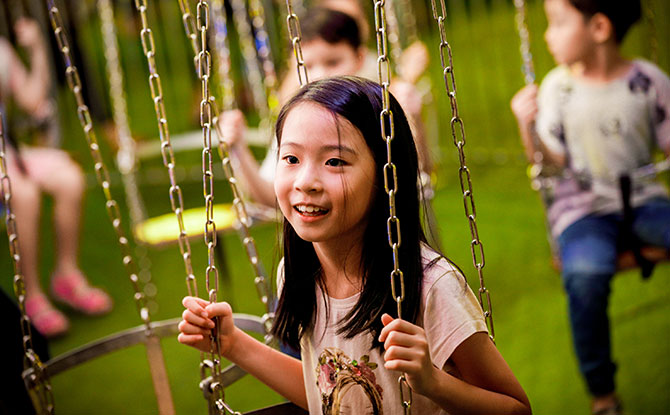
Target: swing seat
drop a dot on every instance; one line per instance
(626, 259)
(281, 409)
(164, 229)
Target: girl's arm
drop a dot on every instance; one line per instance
(233, 127)
(280, 372)
(488, 384)
(30, 88)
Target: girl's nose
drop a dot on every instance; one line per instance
(308, 180)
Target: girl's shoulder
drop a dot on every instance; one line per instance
(440, 273)
(650, 70)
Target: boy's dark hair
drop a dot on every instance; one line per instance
(359, 102)
(330, 25)
(622, 13)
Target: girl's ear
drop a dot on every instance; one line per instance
(602, 29)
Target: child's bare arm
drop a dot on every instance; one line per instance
(488, 384)
(30, 88)
(233, 128)
(280, 372)
(524, 107)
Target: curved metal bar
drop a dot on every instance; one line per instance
(133, 336)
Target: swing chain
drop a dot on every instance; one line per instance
(167, 153)
(260, 281)
(203, 65)
(524, 37)
(125, 157)
(223, 66)
(458, 136)
(293, 23)
(246, 37)
(264, 52)
(39, 378)
(101, 172)
(390, 175)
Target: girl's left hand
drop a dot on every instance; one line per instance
(407, 351)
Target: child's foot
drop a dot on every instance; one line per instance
(73, 290)
(606, 405)
(46, 319)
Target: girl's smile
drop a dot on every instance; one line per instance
(325, 176)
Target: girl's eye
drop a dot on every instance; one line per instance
(335, 162)
(291, 159)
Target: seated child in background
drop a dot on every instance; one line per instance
(331, 46)
(335, 298)
(598, 116)
(34, 170)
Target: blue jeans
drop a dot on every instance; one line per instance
(588, 255)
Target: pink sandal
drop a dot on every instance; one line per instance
(73, 289)
(46, 319)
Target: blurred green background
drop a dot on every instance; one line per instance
(528, 302)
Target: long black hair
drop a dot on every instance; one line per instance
(358, 101)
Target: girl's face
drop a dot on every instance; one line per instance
(324, 181)
(323, 59)
(568, 36)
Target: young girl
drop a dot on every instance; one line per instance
(335, 297)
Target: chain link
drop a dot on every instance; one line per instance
(264, 52)
(223, 64)
(101, 171)
(39, 378)
(390, 176)
(125, 157)
(458, 135)
(167, 153)
(294, 33)
(524, 46)
(246, 37)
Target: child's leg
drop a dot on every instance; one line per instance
(588, 255)
(26, 207)
(652, 223)
(59, 176)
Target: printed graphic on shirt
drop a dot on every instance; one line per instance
(348, 386)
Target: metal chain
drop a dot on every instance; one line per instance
(294, 33)
(39, 377)
(246, 37)
(524, 46)
(204, 64)
(261, 281)
(651, 22)
(176, 198)
(264, 52)
(125, 157)
(223, 64)
(390, 176)
(409, 21)
(458, 136)
(101, 171)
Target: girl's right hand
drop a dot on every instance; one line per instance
(28, 33)
(524, 105)
(197, 324)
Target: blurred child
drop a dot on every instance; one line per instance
(335, 297)
(598, 116)
(33, 171)
(331, 46)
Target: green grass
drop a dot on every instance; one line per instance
(528, 302)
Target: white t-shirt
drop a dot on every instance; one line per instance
(604, 130)
(449, 314)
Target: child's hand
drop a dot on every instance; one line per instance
(524, 105)
(28, 33)
(407, 351)
(197, 324)
(233, 127)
